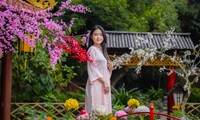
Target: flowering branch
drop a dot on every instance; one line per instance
(17, 23)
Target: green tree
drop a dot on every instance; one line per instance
(131, 15)
(189, 15)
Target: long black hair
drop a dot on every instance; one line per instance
(103, 44)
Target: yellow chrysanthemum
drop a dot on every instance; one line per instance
(71, 104)
(133, 103)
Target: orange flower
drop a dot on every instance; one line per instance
(22, 114)
(49, 118)
(113, 118)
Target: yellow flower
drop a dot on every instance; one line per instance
(71, 104)
(177, 106)
(133, 103)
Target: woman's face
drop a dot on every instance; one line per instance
(97, 37)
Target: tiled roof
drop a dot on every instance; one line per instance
(122, 39)
(22, 4)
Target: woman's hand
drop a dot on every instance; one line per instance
(105, 85)
(106, 88)
(110, 65)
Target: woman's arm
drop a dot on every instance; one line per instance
(110, 66)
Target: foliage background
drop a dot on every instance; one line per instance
(141, 16)
(33, 78)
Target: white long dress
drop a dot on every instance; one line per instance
(95, 95)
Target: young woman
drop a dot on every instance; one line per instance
(98, 90)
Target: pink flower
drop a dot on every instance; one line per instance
(71, 23)
(74, 8)
(83, 116)
(84, 39)
(128, 109)
(88, 34)
(121, 113)
(45, 41)
(19, 23)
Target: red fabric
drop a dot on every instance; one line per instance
(170, 84)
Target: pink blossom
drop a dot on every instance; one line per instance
(128, 109)
(84, 39)
(71, 23)
(44, 41)
(74, 8)
(88, 34)
(121, 113)
(55, 55)
(57, 14)
(65, 4)
(19, 23)
(83, 116)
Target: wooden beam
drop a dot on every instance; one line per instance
(157, 62)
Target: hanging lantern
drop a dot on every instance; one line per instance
(178, 96)
(25, 47)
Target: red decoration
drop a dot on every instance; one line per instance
(151, 112)
(73, 46)
(83, 112)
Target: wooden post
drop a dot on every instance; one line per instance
(6, 87)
